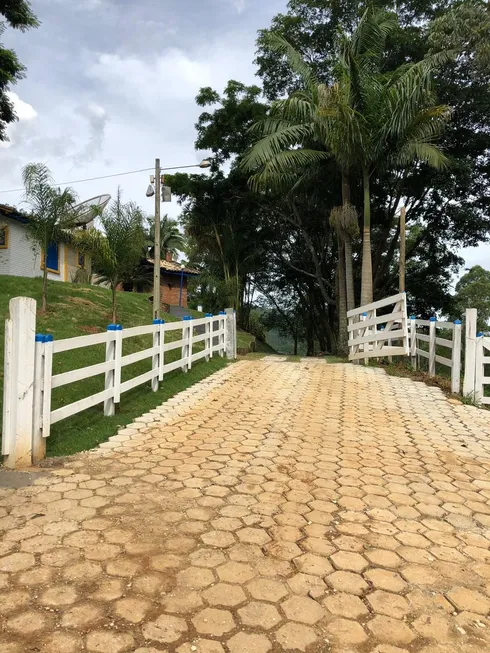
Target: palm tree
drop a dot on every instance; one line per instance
(52, 213)
(367, 121)
(115, 251)
(171, 239)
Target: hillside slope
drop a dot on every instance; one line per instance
(75, 310)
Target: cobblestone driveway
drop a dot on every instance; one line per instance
(275, 507)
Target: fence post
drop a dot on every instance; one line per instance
(208, 343)
(432, 346)
(230, 334)
(161, 357)
(456, 358)
(190, 336)
(413, 341)
(19, 382)
(38, 442)
(222, 333)
(185, 343)
(479, 368)
(110, 375)
(155, 361)
(470, 352)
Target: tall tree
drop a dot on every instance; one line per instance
(171, 239)
(19, 15)
(115, 251)
(52, 213)
(473, 291)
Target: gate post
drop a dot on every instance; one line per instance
(413, 341)
(470, 353)
(432, 346)
(456, 358)
(18, 405)
(230, 334)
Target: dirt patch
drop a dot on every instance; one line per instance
(84, 302)
(90, 329)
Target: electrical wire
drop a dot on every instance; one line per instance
(118, 174)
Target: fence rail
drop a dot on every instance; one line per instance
(29, 380)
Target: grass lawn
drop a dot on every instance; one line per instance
(75, 310)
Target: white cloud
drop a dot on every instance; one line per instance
(97, 118)
(23, 110)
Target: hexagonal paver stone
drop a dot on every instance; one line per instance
(295, 636)
(383, 558)
(17, 562)
(200, 646)
(211, 621)
(81, 615)
(220, 539)
(347, 581)
(386, 580)
(393, 631)
(250, 535)
(27, 623)
(392, 605)
(345, 605)
(236, 572)
(207, 558)
(469, 600)
(125, 567)
(132, 609)
(305, 583)
(259, 615)
(61, 642)
(249, 643)
(181, 602)
(224, 594)
(313, 564)
(346, 631)
(165, 629)
(434, 626)
(303, 609)
(349, 561)
(195, 578)
(226, 524)
(283, 550)
(59, 595)
(102, 641)
(266, 589)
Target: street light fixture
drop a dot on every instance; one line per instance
(156, 190)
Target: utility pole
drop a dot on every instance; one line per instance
(156, 253)
(403, 242)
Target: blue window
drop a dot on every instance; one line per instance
(53, 258)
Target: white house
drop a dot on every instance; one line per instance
(21, 257)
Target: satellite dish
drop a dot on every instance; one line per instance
(89, 209)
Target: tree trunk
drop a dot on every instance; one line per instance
(45, 286)
(342, 303)
(367, 266)
(114, 317)
(44, 303)
(295, 351)
(349, 273)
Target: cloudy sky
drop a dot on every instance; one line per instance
(111, 85)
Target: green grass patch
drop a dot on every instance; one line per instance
(76, 310)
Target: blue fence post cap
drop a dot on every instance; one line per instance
(118, 327)
(433, 319)
(187, 317)
(222, 312)
(39, 337)
(111, 327)
(162, 321)
(457, 321)
(479, 334)
(156, 322)
(209, 315)
(364, 314)
(48, 338)
(412, 317)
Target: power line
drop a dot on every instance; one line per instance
(118, 174)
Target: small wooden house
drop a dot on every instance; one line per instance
(21, 257)
(173, 281)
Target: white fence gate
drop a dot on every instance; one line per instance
(29, 379)
(372, 335)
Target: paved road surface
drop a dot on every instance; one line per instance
(276, 507)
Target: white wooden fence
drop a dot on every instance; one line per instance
(372, 335)
(29, 379)
(426, 331)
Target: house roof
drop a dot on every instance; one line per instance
(173, 267)
(7, 211)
